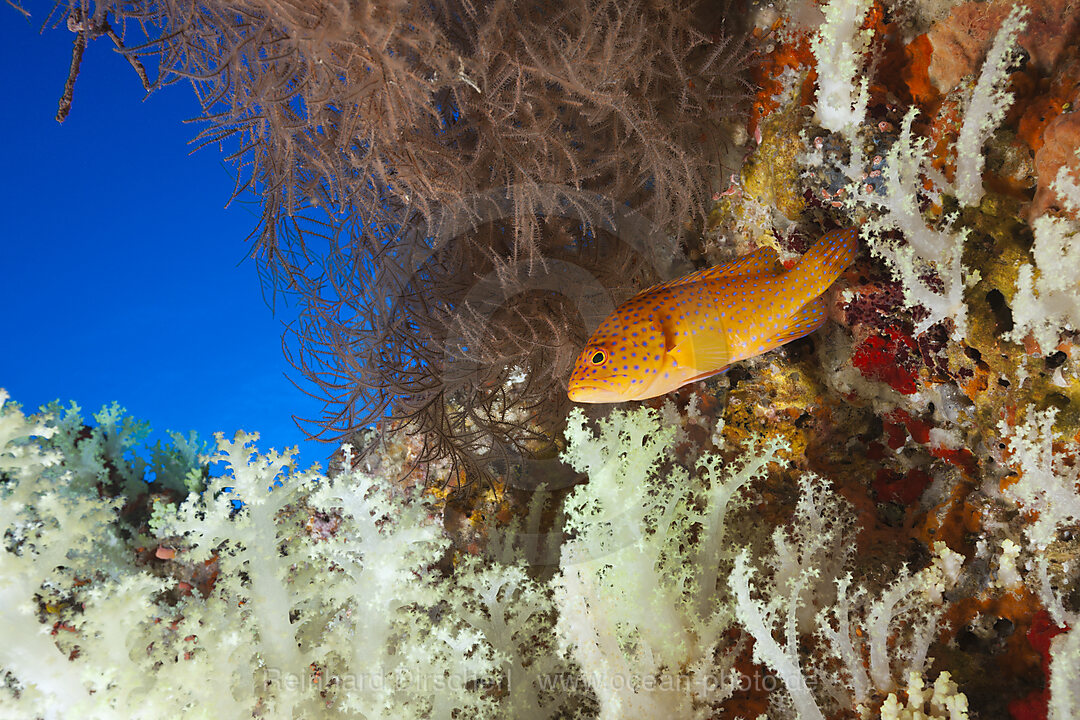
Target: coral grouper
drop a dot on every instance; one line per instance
(696, 326)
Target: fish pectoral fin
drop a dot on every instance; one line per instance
(704, 351)
(710, 374)
(806, 320)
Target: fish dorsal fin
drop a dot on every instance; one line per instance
(706, 352)
(761, 261)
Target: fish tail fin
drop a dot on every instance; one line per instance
(824, 262)
(809, 318)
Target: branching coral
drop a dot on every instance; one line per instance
(1062, 654)
(1049, 303)
(985, 107)
(327, 594)
(1047, 482)
(325, 598)
(926, 249)
(838, 47)
(927, 260)
(638, 594)
(804, 585)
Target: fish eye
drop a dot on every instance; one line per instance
(598, 358)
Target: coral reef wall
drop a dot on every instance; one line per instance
(939, 401)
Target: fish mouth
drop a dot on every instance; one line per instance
(593, 394)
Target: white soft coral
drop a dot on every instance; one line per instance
(805, 575)
(1047, 481)
(928, 261)
(943, 702)
(838, 48)
(640, 608)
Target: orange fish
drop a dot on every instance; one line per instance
(694, 327)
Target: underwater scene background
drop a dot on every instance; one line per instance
(877, 519)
